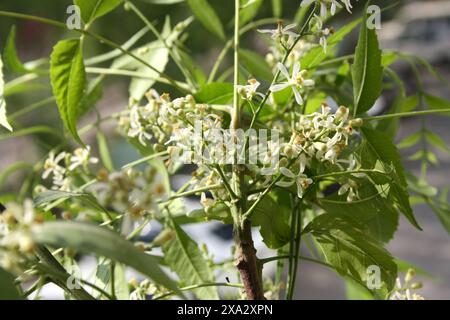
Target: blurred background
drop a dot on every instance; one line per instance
(419, 27)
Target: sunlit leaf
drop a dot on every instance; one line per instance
(207, 16)
(367, 72)
(93, 9)
(68, 78)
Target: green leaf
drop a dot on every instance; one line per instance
(93, 9)
(355, 291)
(193, 68)
(215, 93)
(277, 8)
(367, 72)
(103, 242)
(436, 141)
(93, 94)
(52, 195)
(377, 146)
(315, 56)
(373, 212)
(8, 288)
(410, 141)
(10, 54)
(3, 119)
(410, 103)
(256, 65)
(442, 209)
(184, 257)
(434, 102)
(103, 279)
(249, 10)
(155, 54)
(104, 151)
(162, 2)
(388, 58)
(68, 79)
(351, 251)
(207, 16)
(271, 218)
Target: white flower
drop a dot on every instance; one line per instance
(324, 4)
(51, 165)
(136, 127)
(302, 181)
(280, 32)
(81, 157)
(352, 188)
(249, 91)
(296, 81)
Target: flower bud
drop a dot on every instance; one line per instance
(410, 275)
(163, 237)
(356, 123)
(416, 285)
(341, 113)
(26, 244)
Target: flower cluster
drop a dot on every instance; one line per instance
(15, 237)
(130, 192)
(404, 292)
(321, 136)
(332, 5)
(61, 165)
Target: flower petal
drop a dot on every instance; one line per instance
(279, 87)
(283, 70)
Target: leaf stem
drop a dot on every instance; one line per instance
(407, 114)
(99, 38)
(175, 58)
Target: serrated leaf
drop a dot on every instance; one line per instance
(3, 118)
(184, 257)
(103, 242)
(207, 16)
(367, 72)
(373, 212)
(215, 93)
(68, 79)
(93, 9)
(8, 288)
(378, 147)
(351, 251)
